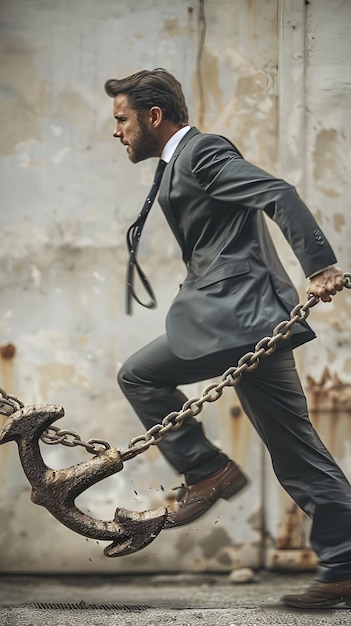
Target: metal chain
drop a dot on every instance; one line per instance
(53, 435)
(230, 378)
(192, 407)
(9, 404)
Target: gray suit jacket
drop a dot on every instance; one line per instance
(236, 289)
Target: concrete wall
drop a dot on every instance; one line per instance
(275, 78)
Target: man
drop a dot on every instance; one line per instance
(234, 293)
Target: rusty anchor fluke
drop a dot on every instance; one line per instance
(57, 490)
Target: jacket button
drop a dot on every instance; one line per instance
(318, 237)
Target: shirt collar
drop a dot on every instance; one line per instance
(172, 143)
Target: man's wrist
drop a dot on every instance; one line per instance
(327, 267)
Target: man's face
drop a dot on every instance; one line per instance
(135, 132)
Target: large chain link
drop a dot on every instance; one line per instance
(192, 407)
(53, 435)
(9, 404)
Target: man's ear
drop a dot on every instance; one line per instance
(156, 116)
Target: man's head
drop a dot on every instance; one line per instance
(149, 107)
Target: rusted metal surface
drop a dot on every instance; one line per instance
(291, 536)
(7, 351)
(57, 490)
(292, 551)
(294, 560)
(329, 400)
(329, 393)
(7, 361)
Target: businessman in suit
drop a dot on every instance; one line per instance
(234, 293)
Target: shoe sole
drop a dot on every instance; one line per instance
(320, 605)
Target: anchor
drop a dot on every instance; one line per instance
(56, 490)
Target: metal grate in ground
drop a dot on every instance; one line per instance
(84, 606)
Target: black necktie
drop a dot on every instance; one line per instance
(133, 238)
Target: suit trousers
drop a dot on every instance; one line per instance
(273, 400)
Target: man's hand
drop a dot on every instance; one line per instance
(327, 283)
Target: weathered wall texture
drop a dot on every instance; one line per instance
(314, 153)
(275, 78)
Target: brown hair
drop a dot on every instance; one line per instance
(146, 89)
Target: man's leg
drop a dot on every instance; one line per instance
(273, 399)
(149, 380)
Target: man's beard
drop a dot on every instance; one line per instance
(144, 146)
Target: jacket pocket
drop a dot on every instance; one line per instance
(227, 270)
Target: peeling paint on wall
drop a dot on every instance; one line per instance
(23, 95)
(68, 197)
(331, 161)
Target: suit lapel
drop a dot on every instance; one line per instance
(164, 192)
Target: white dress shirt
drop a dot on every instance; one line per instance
(172, 143)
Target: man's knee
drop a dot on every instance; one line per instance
(125, 377)
(130, 380)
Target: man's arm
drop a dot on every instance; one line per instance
(227, 177)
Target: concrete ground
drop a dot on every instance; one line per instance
(176, 600)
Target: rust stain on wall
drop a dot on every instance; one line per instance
(252, 99)
(54, 374)
(327, 158)
(22, 95)
(239, 435)
(294, 560)
(339, 221)
(328, 394)
(7, 351)
(291, 534)
(173, 27)
(292, 552)
(7, 364)
(7, 356)
(73, 109)
(212, 92)
(330, 409)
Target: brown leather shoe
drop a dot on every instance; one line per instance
(195, 500)
(321, 595)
